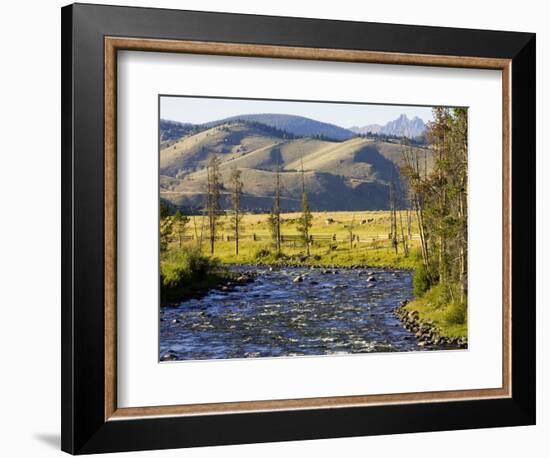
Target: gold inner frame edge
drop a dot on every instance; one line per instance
(114, 44)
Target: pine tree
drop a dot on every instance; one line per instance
(461, 142)
(165, 232)
(180, 225)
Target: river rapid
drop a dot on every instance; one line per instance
(330, 311)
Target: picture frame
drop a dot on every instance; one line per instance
(92, 35)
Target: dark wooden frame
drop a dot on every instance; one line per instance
(91, 35)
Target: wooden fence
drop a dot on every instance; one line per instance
(293, 238)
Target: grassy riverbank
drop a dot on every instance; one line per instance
(321, 254)
(450, 318)
(187, 273)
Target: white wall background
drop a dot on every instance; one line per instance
(30, 227)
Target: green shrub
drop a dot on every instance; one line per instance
(456, 313)
(199, 265)
(262, 253)
(280, 256)
(185, 266)
(437, 297)
(421, 281)
(444, 299)
(186, 272)
(172, 275)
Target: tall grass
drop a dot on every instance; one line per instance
(441, 304)
(187, 271)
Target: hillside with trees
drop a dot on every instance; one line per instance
(354, 174)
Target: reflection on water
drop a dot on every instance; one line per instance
(329, 312)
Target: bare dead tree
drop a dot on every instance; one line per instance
(393, 218)
(213, 198)
(304, 222)
(411, 169)
(236, 193)
(350, 228)
(403, 239)
(275, 216)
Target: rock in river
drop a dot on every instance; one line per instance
(169, 356)
(298, 279)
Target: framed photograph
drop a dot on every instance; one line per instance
(283, 228)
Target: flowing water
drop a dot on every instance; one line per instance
(334, 311)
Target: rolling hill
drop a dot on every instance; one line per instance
(173, 130)
(296, 125)
(191, 152)
(353, 174)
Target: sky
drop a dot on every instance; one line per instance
(198, 110)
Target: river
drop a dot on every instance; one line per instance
(332, 311)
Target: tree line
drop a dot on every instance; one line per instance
(436, 181)
(212, 211)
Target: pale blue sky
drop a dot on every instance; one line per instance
(197, 110)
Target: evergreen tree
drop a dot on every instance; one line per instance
(165, 232)
(180, 225)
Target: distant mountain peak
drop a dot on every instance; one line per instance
(402, 126)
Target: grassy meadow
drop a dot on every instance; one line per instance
(371, 245)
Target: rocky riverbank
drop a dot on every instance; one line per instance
(303, 262)
(426, 332)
